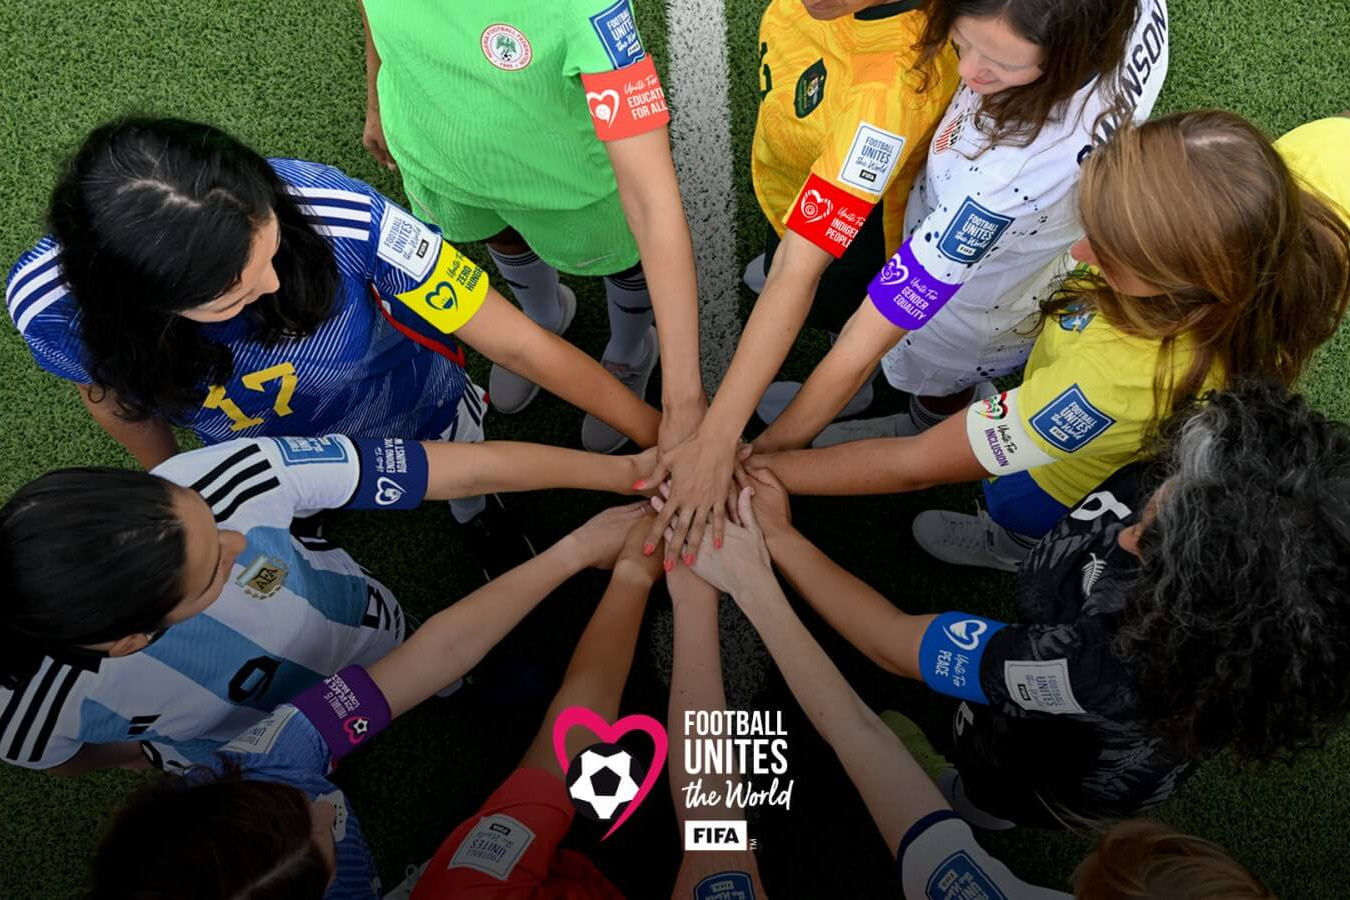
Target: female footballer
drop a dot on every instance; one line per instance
(935, 850)
(1214, 263)
(262, 819)
(540, 128)
(189, 281)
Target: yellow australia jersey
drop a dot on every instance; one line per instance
(1319, 154)
(1082, 409)
(843, 124)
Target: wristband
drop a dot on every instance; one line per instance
(951, 651)
(394, 474)
(347, 709)
(906, 294)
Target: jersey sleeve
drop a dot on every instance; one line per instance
(867, 147)
(1061, 669)
(285, 739)
(44, 312)
(939, 859)
(623, 92)
(425, 287)
(1002, 201)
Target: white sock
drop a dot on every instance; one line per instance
(534, 284)
(465, 508)
(630, 316)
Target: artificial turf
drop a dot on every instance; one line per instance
(286, 76)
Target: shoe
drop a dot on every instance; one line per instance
(782, 393)
(412, 874)
(755, 274)
(898, 425)
(968, 540)
(510, 392)
(598, 437)
(497, 541)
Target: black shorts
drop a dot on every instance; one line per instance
(844, 284)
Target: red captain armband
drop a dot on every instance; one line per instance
(827, 216)
(626, 102)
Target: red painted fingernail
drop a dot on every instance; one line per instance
(669, 565)
(648, 549)
(689, 559)
(639, 484)
(717, 542)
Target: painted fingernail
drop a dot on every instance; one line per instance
(669, 565)
(639, 484)
(648, 549)
(717, 542)
(689, 559)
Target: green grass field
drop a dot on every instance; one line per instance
(286, 76)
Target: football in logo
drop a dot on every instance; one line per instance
(506, 48)
(604, 105)
(815, 207)
(602, 780)
(357, 727)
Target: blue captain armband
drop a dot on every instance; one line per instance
(951, 651)
(393, 474)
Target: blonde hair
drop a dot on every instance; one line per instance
(1252, 269)
(1144, 860)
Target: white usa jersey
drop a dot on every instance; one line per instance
(983, 220)
(292, 612)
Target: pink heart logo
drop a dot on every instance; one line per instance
(580, 716)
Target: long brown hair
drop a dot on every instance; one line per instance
(1079, 40)
(1253, 270)
(1143, 860)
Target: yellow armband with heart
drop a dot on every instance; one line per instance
(451, 293)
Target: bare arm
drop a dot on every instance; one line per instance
(505, 335)
(373, 135)
(466, 470)
(696, 683)
(150, 442)
(701, 469)
(599, 668)
(456, 639)
(867, 336)
(895, 788)
(651, 201)
(940, 455)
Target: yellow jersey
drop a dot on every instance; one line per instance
(843, 124)
(1319, 154)
(1084, 405)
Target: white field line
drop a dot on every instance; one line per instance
(700, 132)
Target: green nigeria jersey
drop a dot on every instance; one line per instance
(483, 102)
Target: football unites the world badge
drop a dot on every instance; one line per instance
(506, 47)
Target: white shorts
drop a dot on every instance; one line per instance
(969, 343)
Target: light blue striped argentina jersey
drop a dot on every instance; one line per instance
(293, 612)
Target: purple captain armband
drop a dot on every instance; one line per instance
(906, 294)
(347, 709)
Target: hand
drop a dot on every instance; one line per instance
(638, 465)
(632, 562)
(744, 556)
(771, 504)
(700, 471)
(373, 139)
(599, 541)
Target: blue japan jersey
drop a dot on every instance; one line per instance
(286, 748)
(355, 375)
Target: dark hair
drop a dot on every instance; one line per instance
(156, 216)
(1238, 630)
(86, 556)
(1079, 40)
(1254, 270)
(211, 838)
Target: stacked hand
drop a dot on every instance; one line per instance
(599, 542)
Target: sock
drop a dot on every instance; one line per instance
(534, 284)
(630, 316)
(923, 417)
(465, 508)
